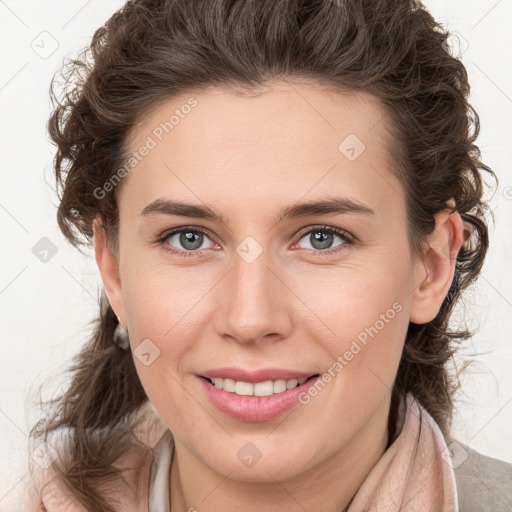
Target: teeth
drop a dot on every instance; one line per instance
(266, 388)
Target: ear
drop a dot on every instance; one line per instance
(109, 269)
(435, 269)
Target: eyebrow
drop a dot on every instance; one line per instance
(336, 205)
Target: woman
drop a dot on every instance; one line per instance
(286, 202)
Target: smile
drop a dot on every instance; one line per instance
(265, 388)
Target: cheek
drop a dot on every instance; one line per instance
(362, 317)
(161, 322)
(160, 298)
(166, 319)
(348, 300)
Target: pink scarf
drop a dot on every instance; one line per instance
(415, 474)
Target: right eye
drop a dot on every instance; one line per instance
(190, 238)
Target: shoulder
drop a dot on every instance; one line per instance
(46, 490)
(483, 483)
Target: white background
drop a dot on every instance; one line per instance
(45, 308)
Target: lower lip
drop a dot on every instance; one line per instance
(255, 408)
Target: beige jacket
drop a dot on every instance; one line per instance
(484, 484)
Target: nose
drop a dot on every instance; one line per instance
(253, 301)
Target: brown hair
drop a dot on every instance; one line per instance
(150, 50)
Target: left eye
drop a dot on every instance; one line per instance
(322, 238)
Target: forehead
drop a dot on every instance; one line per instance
(290, 140)
(215, 117)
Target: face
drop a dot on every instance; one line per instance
(320, 290)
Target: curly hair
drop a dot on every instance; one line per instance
(150, 50)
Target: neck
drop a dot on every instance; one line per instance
(326, 487)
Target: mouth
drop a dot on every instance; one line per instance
(265, 388)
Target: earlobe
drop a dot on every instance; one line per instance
(435, 270)
(109, 269)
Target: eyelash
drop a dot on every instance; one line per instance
(161, 240)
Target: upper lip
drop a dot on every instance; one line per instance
(262, 375)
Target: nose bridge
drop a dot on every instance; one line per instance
(251, 306)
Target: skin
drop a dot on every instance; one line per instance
(247, 158)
